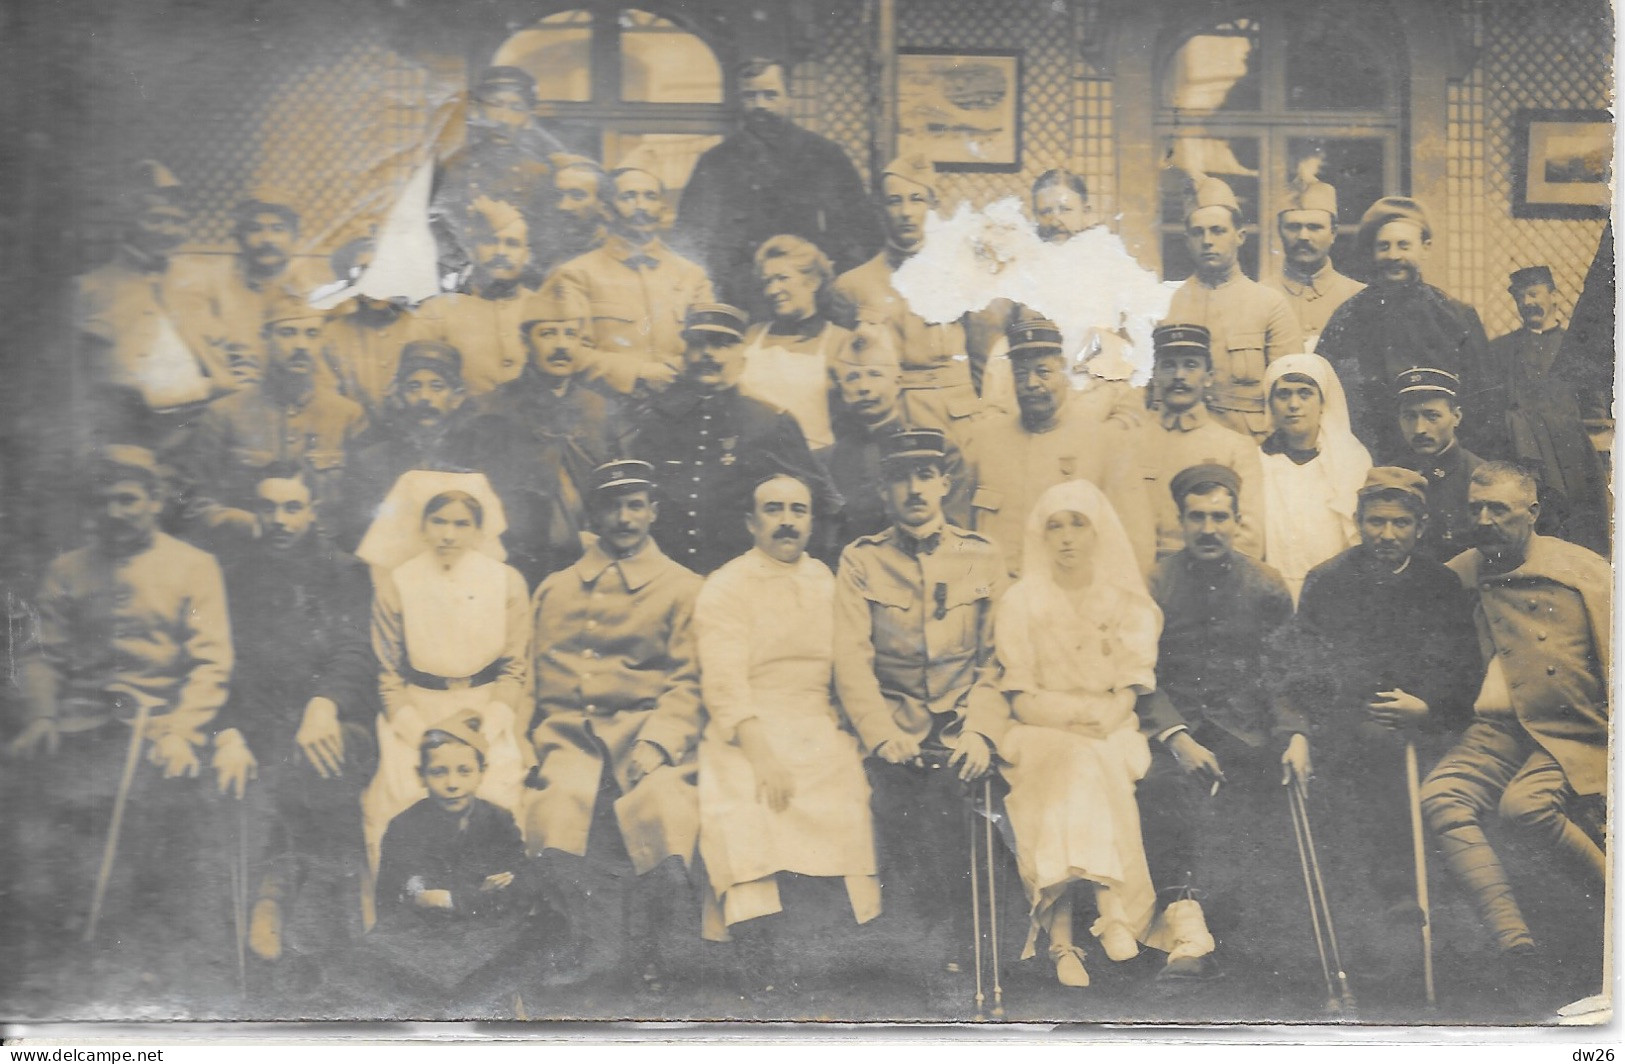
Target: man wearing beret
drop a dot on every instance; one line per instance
(613, 798)
(1429, 413)
(942, 363)
(1400, 322)
(1313, 288)
(1535, 756)
(913, 660)
(1547, 397)
(1182, 433)
(768, 178)
(1381, 653)
(1248, 325)
(712, 444)
(484, 321)
(131, 628)
(638, 288)
(541, 435)
(1221, 737)
(1056, 434)
(293, 415)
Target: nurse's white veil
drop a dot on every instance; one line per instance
(396, 532)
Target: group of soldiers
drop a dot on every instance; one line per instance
(678, 610)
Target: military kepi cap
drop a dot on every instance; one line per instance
(1421, 380)
(498, 78)
(434, 355)
(1530, 275)
(463, 726)
(625, 474)
(1190, 478)
(1174, 338)
(716, 322)
(1031, 337)
(1393, 478)
(915, 445)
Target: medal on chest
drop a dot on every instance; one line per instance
(729, 445)
(1069, 466)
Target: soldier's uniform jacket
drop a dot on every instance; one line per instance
(709, 452)
(614, 663)
(486, 332)
(1549, 623)
(1315, 299)
(1450, 526)
(914, 635)
(639, 297)
(854, 464)
(1169, 442)
(390, 447)
(217, 305)
(365, 351)
(1250, 326)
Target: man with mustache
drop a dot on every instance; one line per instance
(1380, 654)
(768, 178)
(540, 436)
(1249, 325)
(1535, 756)
(612, 810)
(869, 378)
(712, 443)
(913, 670)
(1221, 738)
(225, 304)
(1313, 288)
(1401, 322)
(1429, 414)
(428, 423)
(1548, 398)
(1055, 434)
(942, 363)
(639, 289)
(304, 697)
(132, 619)
(577, 213)
(484, 321)
(291, 415)
(1182, 433)
(784, 805)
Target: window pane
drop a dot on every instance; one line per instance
(1330, 69)
(662, 63)
(1216, 70)
(669, 156)
(557, 52)
(1352, 165)
(1233, 160)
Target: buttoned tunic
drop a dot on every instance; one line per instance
(1011, 467)
(487, 333)
(1549, 624)
(365, 350)
(1250, 326)
(1450, 526)
(1315, 299)
(614, 663)
(639, 298)
(1171, 442)
(914, 635)
(216, 304)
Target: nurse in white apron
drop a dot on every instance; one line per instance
(451, 627)
(788, 360)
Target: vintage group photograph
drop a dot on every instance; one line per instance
(867, 511)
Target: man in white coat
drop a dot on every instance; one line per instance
(782, 787)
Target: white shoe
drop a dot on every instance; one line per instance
(1069, 969)
(1119, 943)
(1188, 928)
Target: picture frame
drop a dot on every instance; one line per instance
(961, 107)
(1560, 163)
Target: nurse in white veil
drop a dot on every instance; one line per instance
(451, 627)
(1077, 645)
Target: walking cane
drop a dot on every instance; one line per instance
(109, 850)
(239, 896)
(1332, 1004)
(992, 899)
(1301, 791)
(1419, 853)
(976, 915)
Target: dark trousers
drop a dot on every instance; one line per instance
(922, 822)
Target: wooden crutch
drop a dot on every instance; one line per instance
(1419, 853)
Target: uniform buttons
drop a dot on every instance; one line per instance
(692, 532)
(591, 708)
(1551, 670)
(1541, 636)
(589, 654)
(696, 480)
(591, 625)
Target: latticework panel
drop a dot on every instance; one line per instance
(843, 112)
(1538, 54)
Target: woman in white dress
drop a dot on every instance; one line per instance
(1313, 468)
(1077, 645)
(789, 361)
(451, 627)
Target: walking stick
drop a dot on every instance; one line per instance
(992, 898)
(239, 896)
(976, 915)
(1347, 994)
(1332, 1004)
(110, 850)
(1419, 853)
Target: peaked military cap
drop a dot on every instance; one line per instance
(1422, 380)
(717, 321)
(1393, 478)
(624, 474)
(1031, 337)
(498, 78)
(1530, 275)
(1173, 338)
(434, 355)
(915, 444)
(1190, 478)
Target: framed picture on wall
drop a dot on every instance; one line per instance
(961, 107)
(1561, 162)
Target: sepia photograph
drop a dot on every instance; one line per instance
(958, 512)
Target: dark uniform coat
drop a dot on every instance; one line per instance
(391, 448)
(1450, 526)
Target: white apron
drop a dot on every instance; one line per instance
(795, 380)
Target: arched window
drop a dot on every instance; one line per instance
(632, 86)
(1271, 91)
